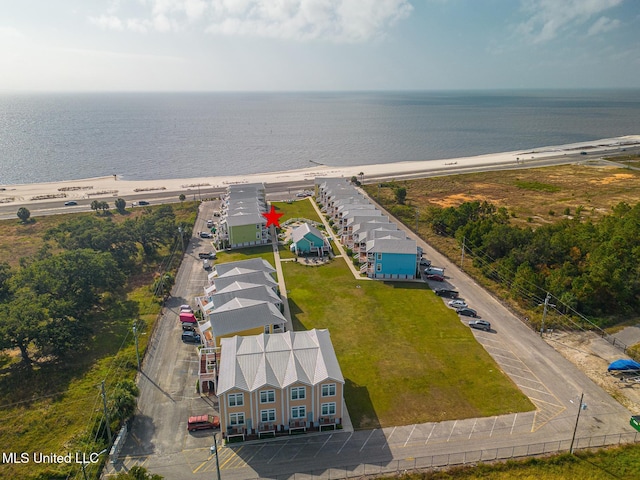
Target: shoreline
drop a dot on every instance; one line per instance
(113, 187)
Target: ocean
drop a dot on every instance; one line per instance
(146, 136)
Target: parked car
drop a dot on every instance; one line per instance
(70, 203)
(209, 255)
(186, 308)
(205, 235)
(206, 264)
(458, 304)
(437, 278)
(216, 214)
(467, 312)
(143, 202)
(443, 292)
(190, 336)
(188, 327)
(481, 325)
(209, 223)
(425, 263)
(203, 422)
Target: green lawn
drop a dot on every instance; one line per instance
(405, 356)
(298, 209)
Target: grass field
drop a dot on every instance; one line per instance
(617, 463)
(405, 356)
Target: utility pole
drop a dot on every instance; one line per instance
(214, 449)
(417, 216)
(544, 312)
(181, 238)
(106, 412)
(575, 429)
(135, 336)
(464, 239)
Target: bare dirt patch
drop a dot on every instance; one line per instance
(592, 354)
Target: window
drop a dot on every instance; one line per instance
(379, 256)
(258, 226)
(298, 393)
(236, 399)
(268, 415)
(236, 419)
(328, 408)
(267, 396)
(258, 236)
(299, 412)
(329, 390)
(378, 267)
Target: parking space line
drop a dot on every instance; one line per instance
(410, 433)
(278, 451)
(430, 433)
(389, 437)
(514, 423)
(300, 449)
(345, 442)
(257, 451)
(452, 429)
(232, 455)
(473, 428)
(365, 442)
(322, 447)
(494, 425)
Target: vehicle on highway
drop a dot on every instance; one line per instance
(209, 255)
(190, 336)
(206, 264)
(481, 325)
(467, 312)
(143, 202)
(437, 278)
(205, 235)
(458, 304)
(70, 203)
(203, 422)
(443, 292)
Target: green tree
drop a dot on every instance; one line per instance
(24, 214)
(401, 195)
(182, 197)
(123, 402)
(22, 321)
(138, 473)
(95, 205)
(121, 205)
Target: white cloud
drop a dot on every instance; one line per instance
(107, 22)
(603, 25)
(551, 18)
(333, 20)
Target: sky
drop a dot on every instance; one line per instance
(317, 45)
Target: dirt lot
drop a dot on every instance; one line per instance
(592, 354)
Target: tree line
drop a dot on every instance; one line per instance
(591, 267)
(48, 306)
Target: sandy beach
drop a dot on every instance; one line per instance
(111, 186)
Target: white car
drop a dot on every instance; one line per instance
(457, 304)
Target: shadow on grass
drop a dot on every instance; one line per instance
(295, 311)
(408, 285)
(361, 410)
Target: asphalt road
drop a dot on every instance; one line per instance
(159, 439)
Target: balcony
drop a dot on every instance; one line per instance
(265, 428)
(236, 431)
(297, 425)
(327, 421)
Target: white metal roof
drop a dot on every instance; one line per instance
(252, 264)
(242, 314)
(392, 245)
(278, 360)
(298, 233)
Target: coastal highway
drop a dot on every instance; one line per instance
(287, 190)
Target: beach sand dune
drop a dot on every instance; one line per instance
(111, 186)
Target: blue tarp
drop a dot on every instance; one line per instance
(621, 365)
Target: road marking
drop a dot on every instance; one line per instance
(257, 451)
(365, 442)
(322, 447)
(473, 428)
(514, 423)
(300, 449)
(452, 429)
(432, 429)
(278, 451)
(345, 442)
(410, 433)
(494, 425)
(389, 437)
(233, 454)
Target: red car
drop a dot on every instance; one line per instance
(437, 278)
(203, 422)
